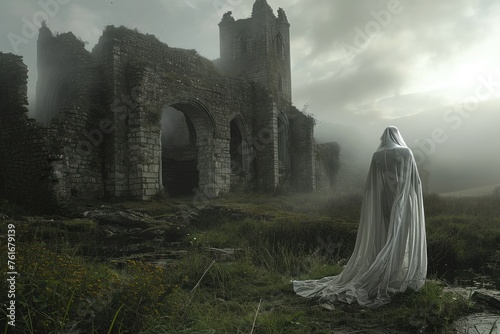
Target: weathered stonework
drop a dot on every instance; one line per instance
(30, 164)
(103, 113)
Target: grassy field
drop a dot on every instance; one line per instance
(272, 239)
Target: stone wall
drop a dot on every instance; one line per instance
(303, 158)
(70, 100)
(30, 166)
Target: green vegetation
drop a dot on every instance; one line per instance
(273, 239)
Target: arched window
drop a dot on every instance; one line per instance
(237, 47)
(280, 47)
(249, 44)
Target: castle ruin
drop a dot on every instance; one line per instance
(135, 118)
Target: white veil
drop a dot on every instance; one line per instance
(390, 252)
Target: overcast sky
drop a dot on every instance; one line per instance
(432, 68)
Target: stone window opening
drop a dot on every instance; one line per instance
(249, 44)
(237, 47)
(280, 48)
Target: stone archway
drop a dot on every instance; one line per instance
(186, 140)
(179, 172)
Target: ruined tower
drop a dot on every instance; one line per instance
(258, 49)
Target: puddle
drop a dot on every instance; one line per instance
(465, 283)
(469, 279)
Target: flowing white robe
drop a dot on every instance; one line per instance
(390, 253)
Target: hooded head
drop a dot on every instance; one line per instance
(391, 138)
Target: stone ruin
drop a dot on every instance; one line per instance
(136, 118)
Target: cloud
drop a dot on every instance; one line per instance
(423, 38)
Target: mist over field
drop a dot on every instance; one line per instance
(430, 68)
(459, 154)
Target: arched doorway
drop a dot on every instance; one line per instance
(179, 155)
(236, 149)
(185, 146)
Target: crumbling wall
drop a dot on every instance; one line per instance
(69, 98)
(303, 158)
(30, 166)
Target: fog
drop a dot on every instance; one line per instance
(460, 154)
(430, 68)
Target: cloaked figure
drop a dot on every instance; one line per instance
(390, 254)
